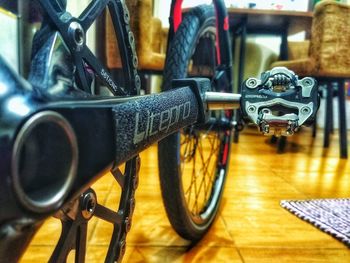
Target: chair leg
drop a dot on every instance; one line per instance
(237, 117)
(145, 82)
(314, 129)
(329, 112)
(273, 139)
(335, 87)
(282, 142)
(241, 66)
(343, 144)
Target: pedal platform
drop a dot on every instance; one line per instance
(279, 103)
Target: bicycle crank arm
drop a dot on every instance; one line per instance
(52, 148)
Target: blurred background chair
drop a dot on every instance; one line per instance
(262, 23)
(258, 59)
(327, 60)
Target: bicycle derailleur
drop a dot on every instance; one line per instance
(279, 103)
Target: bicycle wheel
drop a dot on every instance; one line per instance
(63, 65)
(193, 163)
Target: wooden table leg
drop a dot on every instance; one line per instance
(342, 121)
(242, 48)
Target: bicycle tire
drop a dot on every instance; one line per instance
(184, 52)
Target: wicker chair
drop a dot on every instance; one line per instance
(150, 37)
(328, 59)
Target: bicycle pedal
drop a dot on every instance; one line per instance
(279, 103)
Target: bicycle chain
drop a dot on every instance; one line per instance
(127, 210)
(131, 39)
(130, 184)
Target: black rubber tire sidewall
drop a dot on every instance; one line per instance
(183, 43)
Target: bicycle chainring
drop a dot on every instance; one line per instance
(76, 215)
(60, 55)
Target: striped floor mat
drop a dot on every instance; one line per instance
(329, 215)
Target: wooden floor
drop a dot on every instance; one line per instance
(251, 227)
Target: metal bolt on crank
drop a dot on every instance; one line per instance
(88, 204)
(77, 34)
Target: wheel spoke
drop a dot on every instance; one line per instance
(91, 12)
(211, 139)
(194, 176)
(206, 177)
(188, 192)
(197, 192)
(212, 158)
(204, 164)
(186, 143)
(189, 148)
(213, 154)
(214, 172)
(202, 178)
